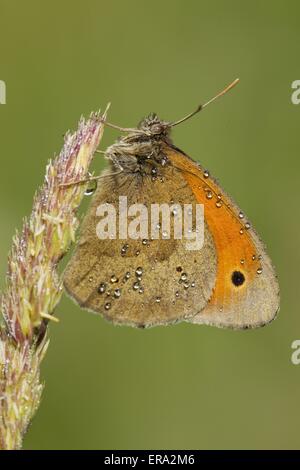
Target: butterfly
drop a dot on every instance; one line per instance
(229, 282)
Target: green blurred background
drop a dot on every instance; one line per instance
(182, 386)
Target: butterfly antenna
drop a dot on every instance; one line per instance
(202, 106)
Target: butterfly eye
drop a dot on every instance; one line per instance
(237, 278)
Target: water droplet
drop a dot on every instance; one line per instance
(164, 161)
(254, 257)
(259, 257)
(157, 226)
(186, 285)
(206, 174)
(242, 261)
(219, 204)
(157, 300)
(241, 231)
(114, 279)
(91, 279)
(241, 215)
(92, 186)
(139, 271)
(174, 212)
(247, 225)
(177, 294)
(107, 305)
(193, 284)
(117, 293)
(137, 253)
(183, 277)
(165, 234)
(89, 191)
(141, 290)
(259, 270)
(219, 196)
(102, 288)
(209, 195)
(144, 241)
(154, 171)
(127, 275)
(136, 285)
(124, 249)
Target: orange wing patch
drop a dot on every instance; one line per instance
(238, 259)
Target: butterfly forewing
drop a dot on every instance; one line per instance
(246, 292)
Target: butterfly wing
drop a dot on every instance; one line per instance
(141, 282)
(246, 291)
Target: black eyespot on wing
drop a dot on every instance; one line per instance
(237, 278)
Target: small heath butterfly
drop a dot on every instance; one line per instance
(144, 276)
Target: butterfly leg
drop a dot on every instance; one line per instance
(90, 178)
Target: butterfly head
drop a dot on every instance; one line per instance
(152, 125)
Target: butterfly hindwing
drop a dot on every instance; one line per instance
(141, 282)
